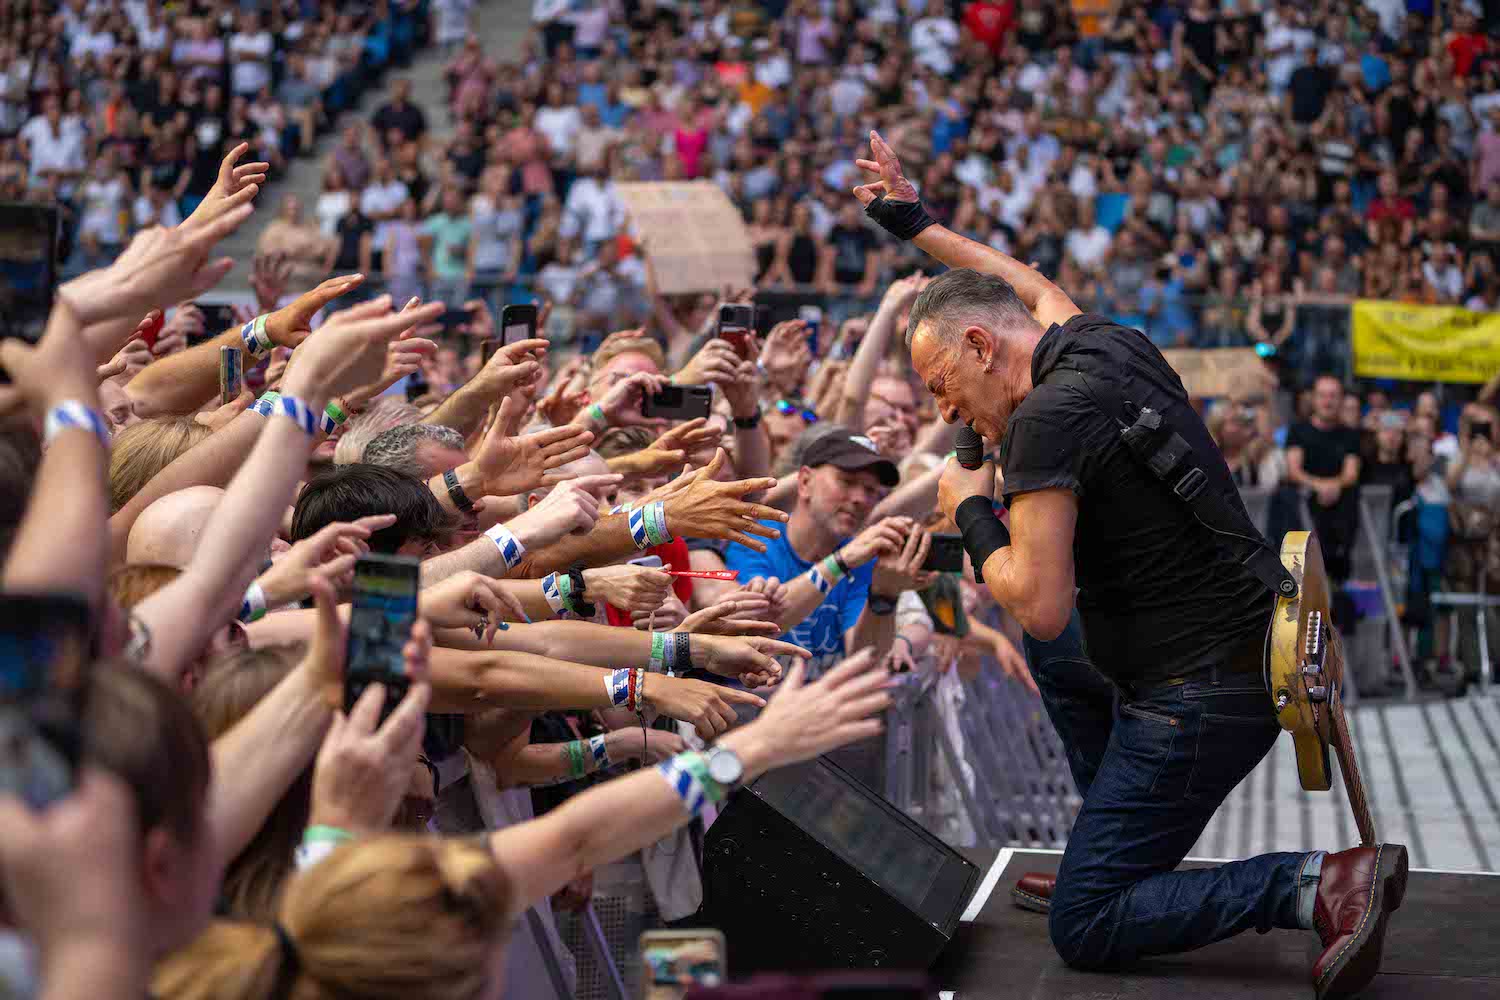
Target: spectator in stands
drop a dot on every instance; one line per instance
(398, 120)
(1323, 459)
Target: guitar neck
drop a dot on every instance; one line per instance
(1343, 745)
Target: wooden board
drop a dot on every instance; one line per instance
(695, 236)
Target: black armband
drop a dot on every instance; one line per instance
(902, 219)
(982, 530)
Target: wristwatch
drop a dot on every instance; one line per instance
(725, 767)
(582, 606)
(749, 423)
(880, 604)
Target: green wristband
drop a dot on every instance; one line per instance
(698, 767)
(831, 569)
(575, 753)
(336, 413)
(595, 415)
(659, 652)
(325, 835)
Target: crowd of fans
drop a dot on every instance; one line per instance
(1213, 177)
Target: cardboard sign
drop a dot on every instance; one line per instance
(695, 236)
(1220, 371)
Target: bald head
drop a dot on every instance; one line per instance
(167, 531)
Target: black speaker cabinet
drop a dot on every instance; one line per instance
(806, 868)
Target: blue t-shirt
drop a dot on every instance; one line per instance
(822, 632)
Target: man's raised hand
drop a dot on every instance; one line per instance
(892, 182)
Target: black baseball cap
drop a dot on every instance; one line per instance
(851, 452)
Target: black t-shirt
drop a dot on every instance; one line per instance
(408, 119)
(1309, 86)
(1158, 593)
(351, 229)
(850, 245)
(1323, 454)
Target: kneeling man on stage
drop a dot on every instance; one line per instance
(1160, 699)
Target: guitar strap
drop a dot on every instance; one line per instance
(1170, 458)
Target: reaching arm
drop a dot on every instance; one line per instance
(873, 348)
(183, 381)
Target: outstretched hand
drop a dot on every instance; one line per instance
(893, 182)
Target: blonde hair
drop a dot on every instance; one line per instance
(629, 345)
(391, 918)
(140, 451)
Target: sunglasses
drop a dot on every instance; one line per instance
(787, 408)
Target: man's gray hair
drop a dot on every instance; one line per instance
(396, 448)
(385, 413)
(963, 297)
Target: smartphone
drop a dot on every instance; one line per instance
(150, 332)
(946, 554)
(416, 386)
(517, 322)
(217, 317)
(813, 317)
(28, 269)
(650, 562)
(673, 962)
(44, 657)
(737, 326)
(679, 402)
(231, 375)
(452, 319)
(380, 621)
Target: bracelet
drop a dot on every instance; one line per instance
(881, 604)
(594, 414)
(682, 657)
(258, 343)
(659, 652)
(641, 524)
(838, 560)
(826, 573)
(688, 775)
(619, 508)
(511, 549)
(983, 532)
(317, 843)
(573, 751)
(656, 522)
(599, 751)
(456, 492)
(749, 423)
(670, 652)
(625, 688)
(576, 593)
(300, 413)
(266, 403)
(71, 415)
(253, 607)
(333, 411)
(553, 595)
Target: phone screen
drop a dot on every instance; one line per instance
(672, 962)
(44, 655)
(231, 375)
(380, 621)
(28, 268)
(679, 402)
(517, 323)
(813, 317)
(737, 326)
(946, 554)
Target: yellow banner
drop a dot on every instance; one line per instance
(1424, 343)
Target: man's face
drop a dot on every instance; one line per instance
(1349, 411)
(618, 370)
(891, 401)
(1327, 396)
(958, 383)
(839, 498)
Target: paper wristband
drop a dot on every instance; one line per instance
(317, 843)
(299, 412)
(253, 607)
(71, 415)
(333, 411)
(573, 751)
(266, 403)
(619, 508)
(551, 593)
(511, 549)
(257, 341)
(595, 415)
(687, 774)
(819, 580)
(599, 752)
(637, 524)
(659, 652)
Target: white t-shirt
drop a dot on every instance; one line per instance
(382, 199)
(560, 126)
(249, 76)
(932, 41)
(592, 211)
(1087, 246)
(330, 207)
(100, 45)
(62, 151)
(147, 214)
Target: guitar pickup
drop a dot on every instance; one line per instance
(1314, 642)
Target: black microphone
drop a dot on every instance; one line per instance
(970, 447)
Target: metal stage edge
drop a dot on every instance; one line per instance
(1444, 943)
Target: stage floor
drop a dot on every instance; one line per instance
(1443, 942)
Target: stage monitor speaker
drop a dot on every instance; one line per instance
(806, 868)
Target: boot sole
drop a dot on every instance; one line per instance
(1359, 962)
(1029, 901)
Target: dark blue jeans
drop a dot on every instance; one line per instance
(1152, 766)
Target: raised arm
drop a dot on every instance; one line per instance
(897, 207)
(873, 348)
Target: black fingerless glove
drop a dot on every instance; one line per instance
(902, 219)
(982, 530)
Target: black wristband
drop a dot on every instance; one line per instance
(749, 423)
(682, 652)
(456, 492)
(982, 530)
(838, 559)
(902, 219)
(581, 605)
(880, 604)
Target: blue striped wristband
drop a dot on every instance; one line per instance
(511, 549)
(301, 414)
(71, 415)
(257, 341)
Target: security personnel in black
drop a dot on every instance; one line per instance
(1117, 493)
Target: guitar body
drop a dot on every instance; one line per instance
(1306, 672)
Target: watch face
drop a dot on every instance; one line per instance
(724, 767)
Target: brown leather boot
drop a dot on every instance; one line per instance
(1359, 890)
(1034, 892)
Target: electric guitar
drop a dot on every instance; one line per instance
(1305, 668)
